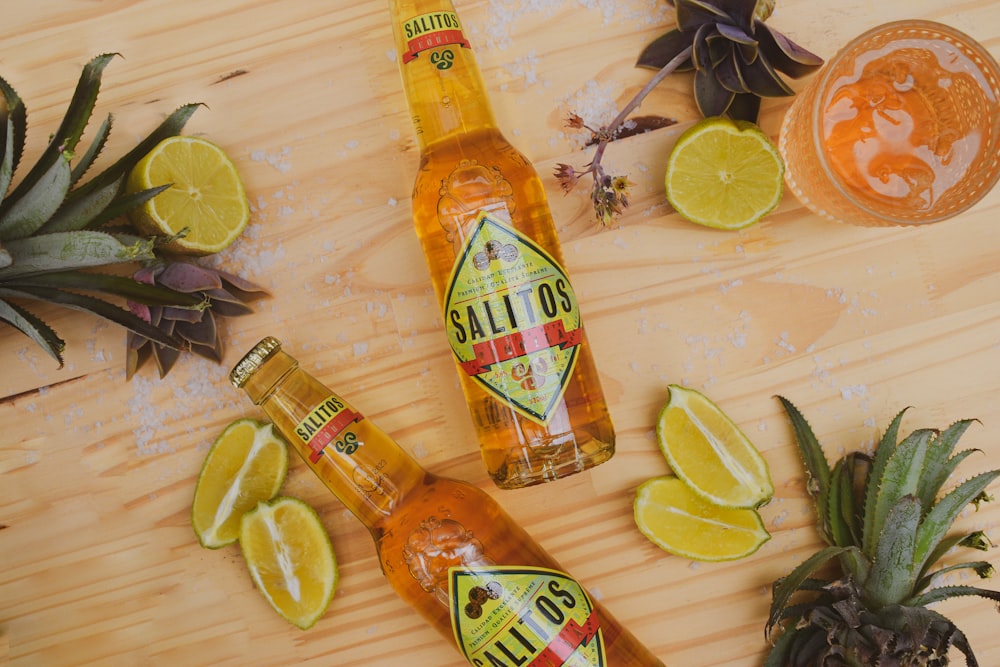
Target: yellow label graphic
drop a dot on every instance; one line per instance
(523, 617)
(512, 318)
(431, 30)
(324, 423)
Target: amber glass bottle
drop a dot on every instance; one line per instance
(510, 312)
(446, 547)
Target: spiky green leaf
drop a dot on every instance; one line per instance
(94, 306)
(71, 128)
(811, 451)
(121, 205)
(17, 115)
(151, 295)
(31, 208)
(983, 569)
(93, 150)
(7, 160)
(61, 251)
(837, 515)
(899, 479)
(34, 328)
(939, 520)
(883, 451)
(939, 464)
(894, 571)
(947, 592)
(78, 213)
(170, 127)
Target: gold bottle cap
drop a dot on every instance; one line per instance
(252, 360)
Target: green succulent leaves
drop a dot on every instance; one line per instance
(50, 240)
(886, 518)
(736, 57)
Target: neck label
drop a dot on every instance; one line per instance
(431, 30)
(324, 424)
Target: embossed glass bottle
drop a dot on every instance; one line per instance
(446, 547)
(510, 312)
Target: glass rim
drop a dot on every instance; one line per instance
(966, 42)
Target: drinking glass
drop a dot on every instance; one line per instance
(901, 127)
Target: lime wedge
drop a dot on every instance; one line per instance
(290, 558)
(679, 521)
(709, 453)
(246, 464)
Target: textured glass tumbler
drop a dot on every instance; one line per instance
(901, 127)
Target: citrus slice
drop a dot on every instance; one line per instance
(246, 464)
(708, 452)
(679, 521)
(205, 199)
(290, 559)
(724, 174)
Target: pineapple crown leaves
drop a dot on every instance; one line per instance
(49, 227)
(886, 519)
(735, 55)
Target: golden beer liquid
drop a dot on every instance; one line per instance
(468, 167)
(403, 506)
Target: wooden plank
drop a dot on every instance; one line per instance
(98, 563)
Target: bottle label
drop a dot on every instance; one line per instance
(512, 318)
(324, 423)
(523, 617)
(431, 30)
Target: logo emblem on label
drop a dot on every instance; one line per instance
(523, 616)
(512, 318)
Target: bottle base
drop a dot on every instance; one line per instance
(529, 465)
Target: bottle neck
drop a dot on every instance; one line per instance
(444, 87)
(356, 460)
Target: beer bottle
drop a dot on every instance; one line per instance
(446, 547)
(510, 311)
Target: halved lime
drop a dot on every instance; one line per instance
(206, 196)
(724, 174)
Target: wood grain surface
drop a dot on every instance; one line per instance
(98, 562)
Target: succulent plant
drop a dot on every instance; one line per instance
(53, 228)
(736, 57)
(225, 295)
(886, 521)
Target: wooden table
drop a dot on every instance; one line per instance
(98, 563)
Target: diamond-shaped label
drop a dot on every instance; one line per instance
(512, 318)
(528, 616)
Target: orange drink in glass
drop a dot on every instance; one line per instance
(901, 127)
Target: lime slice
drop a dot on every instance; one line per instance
(205, 197)
(681, 522)
(707, 451)
(246, 464)
(724, 174)
(290, 559)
